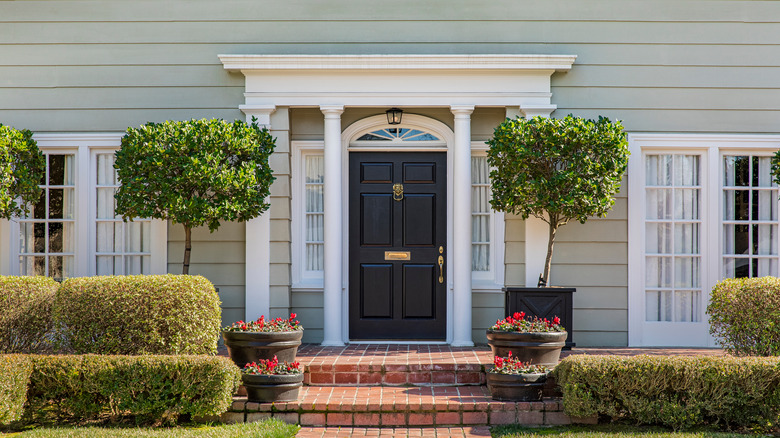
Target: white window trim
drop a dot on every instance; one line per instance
(83, 146)
(492, 280)
(711, 147)
(302, 280)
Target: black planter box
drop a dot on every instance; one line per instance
(542, 302)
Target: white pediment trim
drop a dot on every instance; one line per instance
(398, 62)
(399, 80)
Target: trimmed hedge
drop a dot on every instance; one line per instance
(745, 315)
(139, 314)
(150, 389)
(26, 324)
(678, 392)
(14, 376)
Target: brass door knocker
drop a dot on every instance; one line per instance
(398, 192)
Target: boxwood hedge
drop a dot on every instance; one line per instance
(148, 389)
(679, 392)
(26, 324)
(139, 314)
(14, 376)
(745, 315)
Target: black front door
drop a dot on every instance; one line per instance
(397, 237)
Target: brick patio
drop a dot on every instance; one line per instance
(411, 390)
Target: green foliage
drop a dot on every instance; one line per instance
(270, 428)
(678, 392)
(557, 169)
(194, 172)
(139, 314)
(14, 376)
(26, 323)
(611, 430)
(151, 389)
(745, 315)
(22, 168)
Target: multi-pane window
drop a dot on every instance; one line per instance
(673, 230)
(480, 214)
(46, 245)
(313, 212)
(749, 217)
(120, 248)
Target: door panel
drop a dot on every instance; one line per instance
(379, 280)
(419, 220)
(419, 291)
(377, 219)
(393, 295)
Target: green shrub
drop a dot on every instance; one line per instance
(26, 324)
(679, 392)
(147, 388)
(141, 314)
(14, 376)
(745, 315)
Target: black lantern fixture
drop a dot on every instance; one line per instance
(394, 116)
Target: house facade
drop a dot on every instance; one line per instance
(383, 232)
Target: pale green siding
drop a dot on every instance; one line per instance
(218, 256)
(658, 65)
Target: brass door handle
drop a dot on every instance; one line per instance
(441, 269)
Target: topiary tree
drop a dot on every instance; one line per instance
(22, 168)
(194, 173)
(556, 170)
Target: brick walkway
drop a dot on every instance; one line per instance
(438, 432)
(425, 364)
(363, 390)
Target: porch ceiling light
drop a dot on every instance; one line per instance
(394, 116)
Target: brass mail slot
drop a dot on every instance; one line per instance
(398, 255)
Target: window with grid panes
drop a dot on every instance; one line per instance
(46, 238)
(480, 214)
(673, 232)
(121, 248)
(749, 217)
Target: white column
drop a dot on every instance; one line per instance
(461, 227)
(536, 230)
(258, 240)
(333, 238)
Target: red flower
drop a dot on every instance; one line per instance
(556, 320)
(292, 316)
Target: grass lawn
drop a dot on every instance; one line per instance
(602, 430)
(266, 429)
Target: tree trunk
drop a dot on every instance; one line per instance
(543, 281)
(185, 270)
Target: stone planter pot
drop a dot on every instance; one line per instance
(272, 387)
(516, 387)
(536, 348)
(247, 347)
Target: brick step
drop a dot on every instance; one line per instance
(382, 406)
(424, 374)
(393, 365)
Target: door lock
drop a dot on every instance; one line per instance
(398, 192)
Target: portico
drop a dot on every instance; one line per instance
(333, 83)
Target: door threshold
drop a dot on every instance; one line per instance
(396, 342)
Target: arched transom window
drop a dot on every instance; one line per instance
(397, 136)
